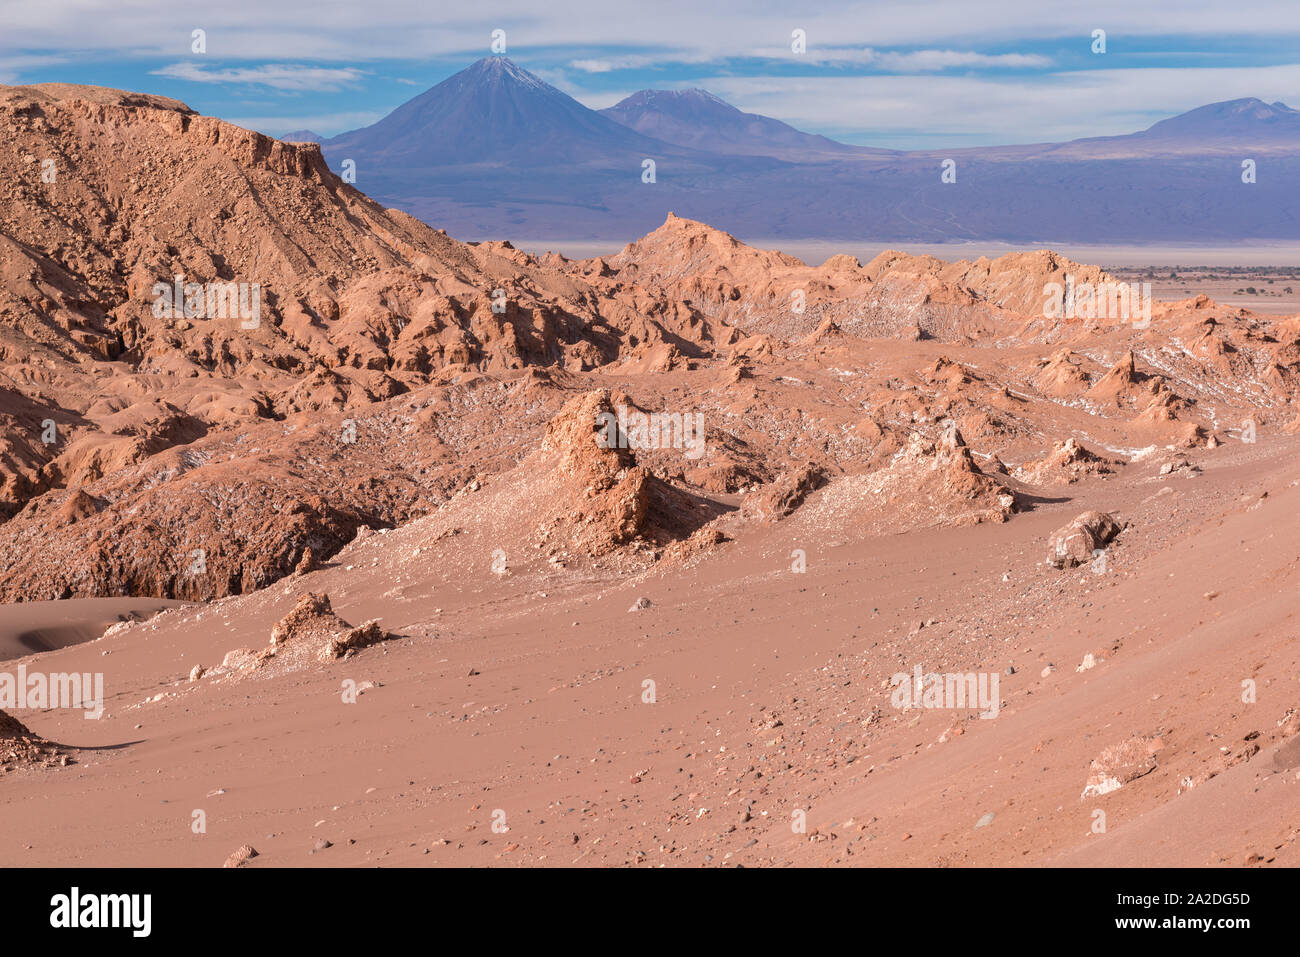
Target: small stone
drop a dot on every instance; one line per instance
(1119, 764)
(308, 563)
(1074, 544)
(241, 857)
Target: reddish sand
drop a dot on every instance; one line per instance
(508, 700)
(45, 625)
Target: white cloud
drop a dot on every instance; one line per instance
(910, 61)
(636, 61)
(913, 61)
(924, 61)
(405, 29)
(595, 66)
(286, 76)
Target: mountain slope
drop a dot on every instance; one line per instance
(1231, 126)
(158, 430)
(1247, 121)
(300, 136)
(702, 121)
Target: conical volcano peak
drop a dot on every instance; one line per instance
(493, 111)
(502, 69)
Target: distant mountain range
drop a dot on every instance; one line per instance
(495, 151)
(701, 121)
(302, 136)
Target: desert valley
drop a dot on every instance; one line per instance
(370, 580)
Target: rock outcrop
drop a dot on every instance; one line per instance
(1075, 543)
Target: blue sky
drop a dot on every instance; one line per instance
(907, 74)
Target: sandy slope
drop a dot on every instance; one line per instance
(45, 625)
(551, 728)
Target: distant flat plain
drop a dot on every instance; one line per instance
(817, 251)
(1197, 269)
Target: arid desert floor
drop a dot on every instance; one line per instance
(375, 580)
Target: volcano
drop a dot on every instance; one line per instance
(496, 113)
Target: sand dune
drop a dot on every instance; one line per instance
(33, 627)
